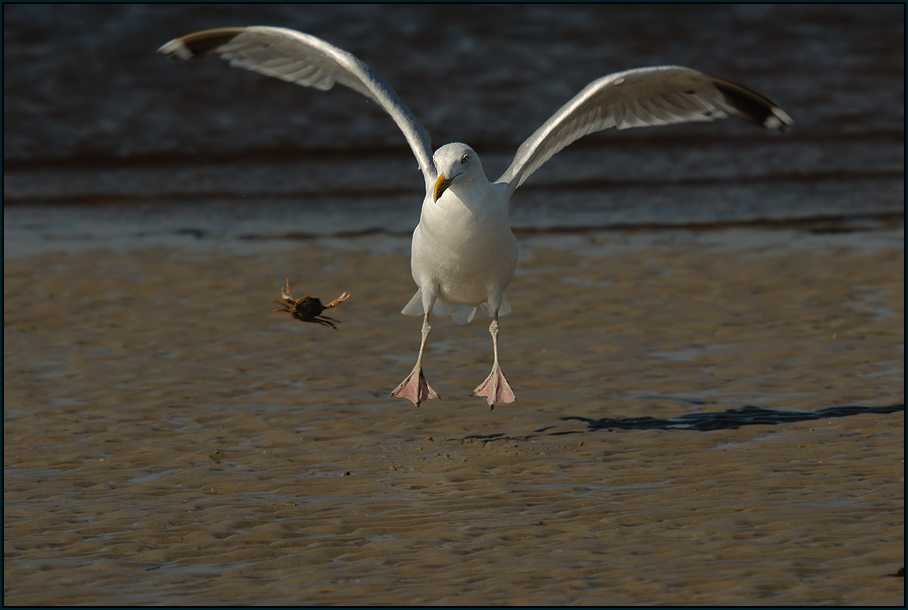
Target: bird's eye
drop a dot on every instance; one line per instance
(465, 159)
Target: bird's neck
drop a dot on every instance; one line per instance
(475, 208)
(474, 194)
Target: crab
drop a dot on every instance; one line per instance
(308, 309)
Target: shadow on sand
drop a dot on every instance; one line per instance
(704, 422)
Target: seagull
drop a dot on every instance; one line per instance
(463, 252)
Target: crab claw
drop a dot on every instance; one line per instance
(285, 294)
(338, 300)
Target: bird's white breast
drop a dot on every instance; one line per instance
(464, 245)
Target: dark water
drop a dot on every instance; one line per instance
(92, 115)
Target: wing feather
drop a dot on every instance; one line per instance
(643, 97)
(307, 61)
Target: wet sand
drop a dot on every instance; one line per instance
(170, 440)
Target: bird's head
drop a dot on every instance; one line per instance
(456, 163)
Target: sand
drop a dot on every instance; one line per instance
(170, 440)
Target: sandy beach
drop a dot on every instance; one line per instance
(170, 440)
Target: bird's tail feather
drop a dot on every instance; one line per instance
(460, 314)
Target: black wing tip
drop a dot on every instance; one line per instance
(753, 107)
(779, 119)
(199, 44)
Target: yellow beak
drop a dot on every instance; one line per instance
(440, 186)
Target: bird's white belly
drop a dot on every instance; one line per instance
(468, 258)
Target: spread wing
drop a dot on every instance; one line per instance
(641, 98)
(308, 61)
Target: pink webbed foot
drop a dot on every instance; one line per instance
(415, 388)
(495, 388)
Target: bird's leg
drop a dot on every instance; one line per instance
(495, 388)
(415, 387)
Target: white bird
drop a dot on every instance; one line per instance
(464, 253)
